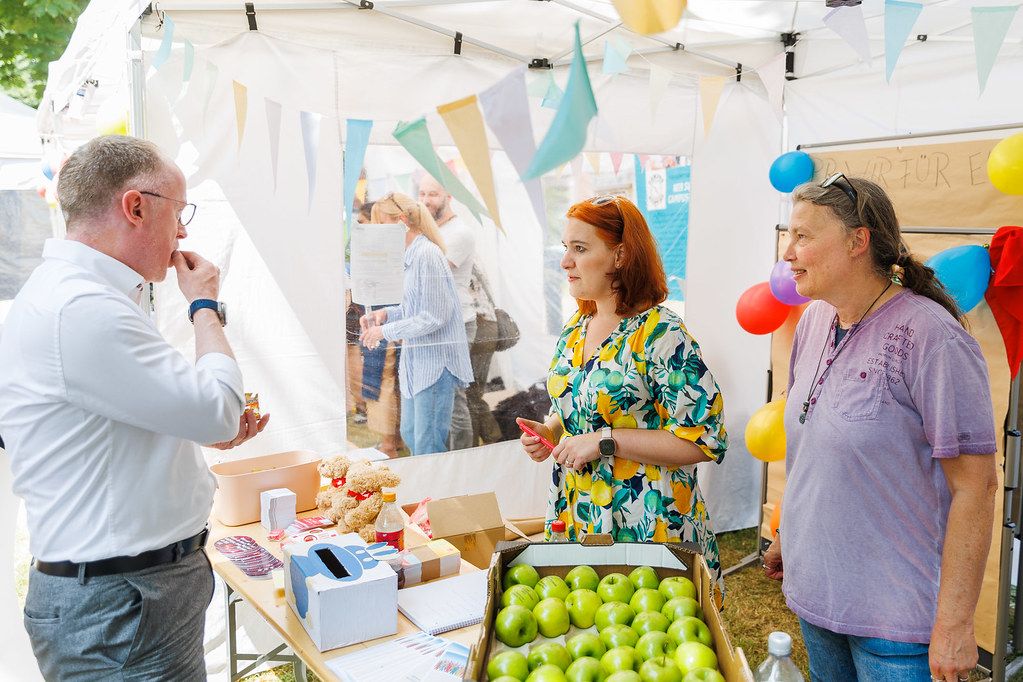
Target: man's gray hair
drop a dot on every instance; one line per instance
(98, 172)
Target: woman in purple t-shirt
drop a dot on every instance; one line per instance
(890, 464)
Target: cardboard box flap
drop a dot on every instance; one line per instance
(464, 514)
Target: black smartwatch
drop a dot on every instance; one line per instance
(607, 441)
(218, 306)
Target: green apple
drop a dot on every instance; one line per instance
(582, 578)
(582, 607)
(547, 673)
(654, 644)
(693, 655)
(618, 635)
(586, 669)
(586, 644)
(677, 586)
(615, 587)
(620, 658)
(510, 663)
(520, 594)
(548, 652)
(660, 669)
(647, 599)
(515, 625)
(505, 678)
(644, 576)
(703, 675)
(680, 607)
(612, 613)
(650, 621)
(690, 629)
(520, 574)
(624, 676)
(551, 617)
(552, 586)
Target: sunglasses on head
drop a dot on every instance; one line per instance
(841, 182)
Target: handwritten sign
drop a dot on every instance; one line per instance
(378, 263)
(932, 185)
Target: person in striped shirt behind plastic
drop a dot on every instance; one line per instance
(435, 354)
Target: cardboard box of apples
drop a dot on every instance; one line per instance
(601, 611)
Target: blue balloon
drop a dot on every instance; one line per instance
(47, 169)
(790, 170)
(965, 271)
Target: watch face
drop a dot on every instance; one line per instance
(607, 446)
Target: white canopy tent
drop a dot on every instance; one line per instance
(275, 230)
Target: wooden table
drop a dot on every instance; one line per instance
(270, 603)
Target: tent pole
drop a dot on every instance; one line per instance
(136, 82)
(1011, 485)
(910, 136)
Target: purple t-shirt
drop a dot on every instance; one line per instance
(866, 500)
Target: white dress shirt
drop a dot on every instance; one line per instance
(101, 415)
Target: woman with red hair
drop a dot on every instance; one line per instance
(635, 408)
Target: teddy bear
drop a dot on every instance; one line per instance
(353, 499)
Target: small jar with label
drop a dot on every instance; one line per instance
(557, 531)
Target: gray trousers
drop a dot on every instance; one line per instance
(146, 625)
(460, 437)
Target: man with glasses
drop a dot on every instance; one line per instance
(102, 418)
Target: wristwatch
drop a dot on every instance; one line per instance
(200, 303)
(607, 441)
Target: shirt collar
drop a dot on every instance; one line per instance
(109, 269)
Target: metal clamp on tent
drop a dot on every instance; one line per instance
(738, 72)
(540, 63)
(789, 41)
(458, 42)
(250, 14)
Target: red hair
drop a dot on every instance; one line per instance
(640, 281)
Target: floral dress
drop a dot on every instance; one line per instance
(647, 374)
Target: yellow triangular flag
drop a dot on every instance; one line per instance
(710, 94)
(465, 123)
(241, 99)
(594, 159)
(650, 16)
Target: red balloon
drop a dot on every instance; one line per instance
(758, 311)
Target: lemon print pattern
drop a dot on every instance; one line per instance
(648, 374)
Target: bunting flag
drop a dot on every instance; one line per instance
(616, 161)
(356, 140)
(211, 80)
(594, 159)
(710, 95)
(163, 52)
(660, 77)
(186, 74)
(506, 109)
(273, 131)
(415, 138)
(848, 23)
(990, 24)
(650, 16)
(642, 158)
(899, 17)
(623, 47)
(311, 142)
(614, 62)
(567, 134)
(465, 123)
(241, 105)
(772, 75)
(552, 98)
(539, 86)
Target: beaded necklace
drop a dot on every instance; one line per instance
(827, 342)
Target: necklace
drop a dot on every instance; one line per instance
(848, 336)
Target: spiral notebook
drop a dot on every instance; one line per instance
(446, 604)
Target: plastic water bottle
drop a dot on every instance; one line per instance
(390, 525)
(558, 531)
(778, 667)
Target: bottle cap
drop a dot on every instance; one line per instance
(779, 644)
(558, 526)
(389, 497)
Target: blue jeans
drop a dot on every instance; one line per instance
(426, 416)
(146, 625)
(847, 658)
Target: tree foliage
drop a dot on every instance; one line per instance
(33, 33)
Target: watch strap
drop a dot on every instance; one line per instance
(200, 303)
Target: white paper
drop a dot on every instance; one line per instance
(378, 263)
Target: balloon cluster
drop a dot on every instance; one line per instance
(50, 166)
(764, 307)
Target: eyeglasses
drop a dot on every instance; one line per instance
(390, 196)
(609, 199)
(841, 182)
(187, 213)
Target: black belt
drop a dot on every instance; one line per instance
(126, 564)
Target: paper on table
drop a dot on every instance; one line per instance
(406, 659)
(446, 604)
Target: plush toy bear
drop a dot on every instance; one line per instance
(353, 499)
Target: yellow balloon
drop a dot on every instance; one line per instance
(112, 117)
(1005, 165)
(650, 16)
(765, 432)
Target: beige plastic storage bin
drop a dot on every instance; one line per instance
(240, 482)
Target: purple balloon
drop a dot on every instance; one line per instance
(783, 286)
